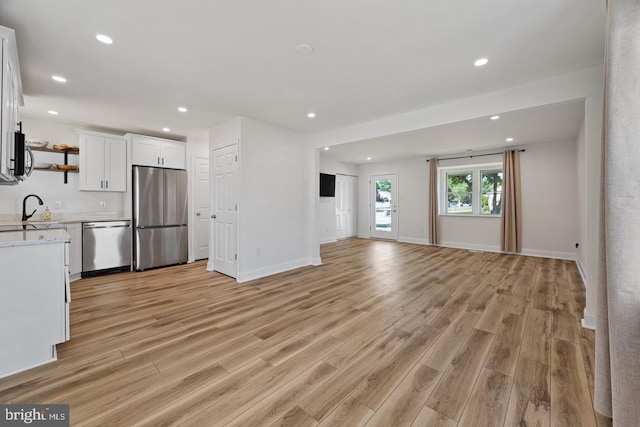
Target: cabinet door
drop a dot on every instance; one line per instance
(75, 248)
(146, 152)
(173, 155)
(115, 167)
(91, 163)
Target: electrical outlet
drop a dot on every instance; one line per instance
(60, 204)
(103, 205)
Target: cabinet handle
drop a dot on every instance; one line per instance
(106, 184)
(158, 160)
(163, 160)
(101, 184)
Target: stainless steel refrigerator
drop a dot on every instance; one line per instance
(159, 217)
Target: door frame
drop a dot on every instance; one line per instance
(371, 195)
(210, 266)
(192, 204)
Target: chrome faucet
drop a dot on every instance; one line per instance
(24, 207)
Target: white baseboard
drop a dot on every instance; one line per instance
(589, 320)
(413, 240)
(316, 261)
(470, 246)
(74, 277)
(363, 236)
(328, 240)
(209, 265)
(549, 254)
(273, 269)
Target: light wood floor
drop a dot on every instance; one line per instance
(382, 334)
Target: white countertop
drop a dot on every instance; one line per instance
(33, 237)
(67, 218)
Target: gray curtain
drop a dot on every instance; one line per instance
(511, 217)
(617, 393)
(433, 202)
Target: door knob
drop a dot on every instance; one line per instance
(198, 214)
(213, 216)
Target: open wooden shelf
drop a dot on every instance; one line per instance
(66, 153)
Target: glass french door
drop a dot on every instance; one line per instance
(384, 206)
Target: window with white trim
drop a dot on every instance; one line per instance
(471, 190)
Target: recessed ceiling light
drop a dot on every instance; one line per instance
(104, 39)
(326, 148)
(509, 139)
(182, 109)
(480, 62)
(53, 113)
(311, 115)
(166, 129)
(304, 49)
(368, 158)
(59, 79)
(494, 117)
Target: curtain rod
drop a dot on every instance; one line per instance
(477, 155)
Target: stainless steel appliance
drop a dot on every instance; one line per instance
(106, 245)
(160, 217)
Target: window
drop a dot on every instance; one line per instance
(459, 192)
(471, 190)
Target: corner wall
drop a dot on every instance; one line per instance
(277, 201)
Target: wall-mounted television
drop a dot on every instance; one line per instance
(327, 185)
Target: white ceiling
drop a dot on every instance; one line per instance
(225, 58)
(551, 123)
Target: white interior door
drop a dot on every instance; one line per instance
(224, 204)
(202, 210)
(384, 210)
(352, 206)
(341, 206)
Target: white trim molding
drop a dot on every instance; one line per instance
(589, 320)
(259, 273)
(328, 240)
(549, 254)
(470, 246)
(414, 241)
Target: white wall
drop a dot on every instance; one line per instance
(277, 197)
(50, 185)
(548, 174)
(326, 212)
(413, 176)
(549, 199)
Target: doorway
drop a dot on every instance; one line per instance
(201, 207)
(384, 206)
(346, 206)
(224, 205)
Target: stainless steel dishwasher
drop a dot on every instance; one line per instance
(106, 246)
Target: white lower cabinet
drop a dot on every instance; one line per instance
(75, 250)
(34, 304)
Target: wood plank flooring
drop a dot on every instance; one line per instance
(382, 334)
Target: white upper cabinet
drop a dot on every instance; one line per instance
(148, 151)
(103, 162)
